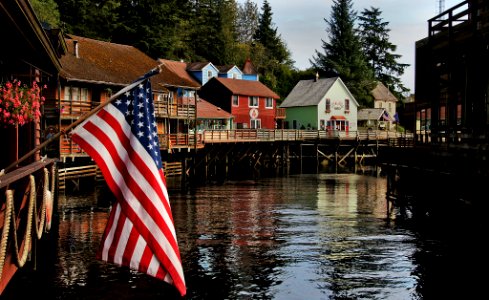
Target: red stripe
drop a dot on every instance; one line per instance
(133, 185)
(130, 246)
(135, 188)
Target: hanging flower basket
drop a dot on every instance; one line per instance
(19, 103)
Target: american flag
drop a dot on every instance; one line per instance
(122, 139)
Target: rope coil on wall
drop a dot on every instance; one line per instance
(44, 224)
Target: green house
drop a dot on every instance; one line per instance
(324, 103)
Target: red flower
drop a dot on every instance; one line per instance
(19, 103)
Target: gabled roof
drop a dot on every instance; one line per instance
(370, 113)
(225, 69)
(198, 66)
(382, 93)
(102, 62)
(311, 92)
(246, 87)
(174, 73)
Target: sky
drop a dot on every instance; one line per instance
(302, 26)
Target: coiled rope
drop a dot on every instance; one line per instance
(10, 220)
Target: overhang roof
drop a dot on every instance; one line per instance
(101, 62)
(174, 73)
(24, 39)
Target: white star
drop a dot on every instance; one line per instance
(150, 147)
(140, 124)
(140, 86)
(140, 104)
(118, 102)
(127, 94)
(141, 95)
(140, 114)
(140, 133)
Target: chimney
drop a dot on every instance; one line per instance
(75, 48)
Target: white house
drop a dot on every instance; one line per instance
(324, 103)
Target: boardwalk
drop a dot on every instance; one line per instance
(275, 135)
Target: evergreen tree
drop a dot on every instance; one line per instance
(379, 51)
(89, 18)
(247, 21)
(267, 35)
(343, 55)
(269, 52)
(47, 12)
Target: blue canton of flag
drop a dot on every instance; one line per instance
(138, 107)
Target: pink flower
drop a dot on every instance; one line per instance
(19, 103)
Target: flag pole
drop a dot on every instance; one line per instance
(152, 72)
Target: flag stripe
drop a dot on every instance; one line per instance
(122, 140)
(122, 191)
(131, 187)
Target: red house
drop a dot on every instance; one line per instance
(252, 104)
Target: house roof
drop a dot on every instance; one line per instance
(104, 62)
(370, 114)
(308, 92)
(246, 87)
(207, 110)
(382, 93)
(225, 69)
(174, 73)
(24, 39)
(197, 66)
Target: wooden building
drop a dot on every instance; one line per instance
(28, 54)
(324, 103)
(447, 170)
(252, 104)
(451, 83)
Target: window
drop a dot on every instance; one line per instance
(235, 100)
(328, 105)
(347, 105)
(268, 102)
(255, 124)
(253, 101)
(75, 94)
(209, 74)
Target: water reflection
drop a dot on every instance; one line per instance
(327, 236)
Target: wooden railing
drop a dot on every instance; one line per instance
(183, 111)
(271, 135)
(74, 173)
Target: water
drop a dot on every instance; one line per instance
(326, 236)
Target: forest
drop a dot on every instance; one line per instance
(227, 32)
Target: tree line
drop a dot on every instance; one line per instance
(227, 32)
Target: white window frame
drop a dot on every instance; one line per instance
(255, 123)
(269, 103)
(251, 102)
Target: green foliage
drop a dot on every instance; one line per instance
(343, 55)
(379, 51)
(47, 12)
(226, 32)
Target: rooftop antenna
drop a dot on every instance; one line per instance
(441, 6)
